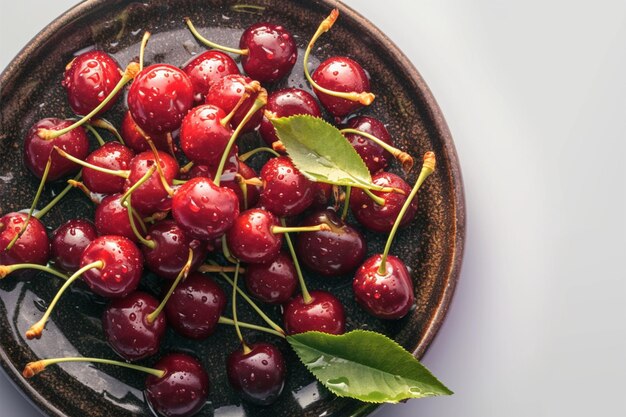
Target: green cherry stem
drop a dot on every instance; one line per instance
(94, 132)
(7, 269)
(270, 322)
(182, 275)
(106, 125)
(248, 8)
(131, 71)
(346, 203)
(58, 198)
(378, 200)
(36, 329)
(306, 296)
(132, 215)
(123, 173)
(364, 98)
(286, 230)
(226, 251)
(259, 102)
(244, 157)
(33, 368)
(226, 320)
(405, 159)
(210, 44)
(427, 168)
(157, 159)
(95, 198)
(245, 347)
(142, 48)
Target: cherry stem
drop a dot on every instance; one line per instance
(226, 251)
(124, 173)
(37, 328)
(142, 48)
(279, 146)
(255, 181)
(259, 102)
(245, 347)
(226, 119)
(131, 71)
(33, 368)
(405, 159)
(95, 198)
(186, 168)
(252, 304)
(244, 192)
(42, 182)
(284, 229)
(94, 132)
(306, 296)
(157, 159)
(7, 269)
(210, 44)
(248, 8)
(56, 199)
(178, 182)
(364, 98)
(378, 200)
(346, 203)
(248, 154)
(219, 268)
(106, 125)
(427, 168)
(182, 275)
(226, 320)
(132, 216)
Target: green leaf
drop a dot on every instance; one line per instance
(365, 365)
(321, 152)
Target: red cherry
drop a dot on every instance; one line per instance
(203, 209)
(123, 266)
(111, 218)
(206, 69)
(324, 313)
(113, 156)
(182, 391)
(89, 79)
(374, 156)
(386, 296)
(38, 150)
(127, 329)
(195, 306)
(226, 94)
(251, 240)
(273, 282)
(381, 218)
(159, 98)
(69, 241)
(135, 140)
(258, 375)
(287, 192)
(287, 102)
(150, 196)
(203, 138)
(33, 245)
(333, 252)
(171, 250)
(272, 52)
(341, 74)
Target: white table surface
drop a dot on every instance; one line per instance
(535, 97)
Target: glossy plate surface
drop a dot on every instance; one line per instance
(30, 89)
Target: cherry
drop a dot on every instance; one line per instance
(159, 98)
(203, 209)
(257, 375)
(205, 69)
(380, 218)
(388, 295)
(272, 52)
(122, 266)
(283, 103)
(229, 93)
(337, 251)
(196, 306)
(251, 240)
(167, 250)
(68, 242)
(273, 282)
(383, 285)
(151, 196)
(113, 156)
(89, 79)
(323, 313)
(203, 136)
(127, 328)
(135, 139)
(38, 150)
(111, 218)
(32, 247)
(177, 386)
(286, 192)
(375, 157)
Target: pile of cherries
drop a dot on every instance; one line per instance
(174, 189)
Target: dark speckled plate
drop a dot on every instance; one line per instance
(30, 89)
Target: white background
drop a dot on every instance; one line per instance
(535, 97)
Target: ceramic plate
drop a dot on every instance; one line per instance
(30, 89)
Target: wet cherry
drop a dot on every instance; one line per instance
(69, 241)
(111, 218)
(151, 196)
(113, 156)
(203, 136)
(374, 156)
(272, 52)
(324, 313)
(207, 68)
(273, 282)
(286, 192)
(33, 246)
(251, 240)
(227, 93)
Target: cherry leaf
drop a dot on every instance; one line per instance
(365, 365)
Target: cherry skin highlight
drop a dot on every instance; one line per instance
(272, 52)
(287, 192)
(386, 296)
(259, 375)
(206, 69)
(251, 240)
(69, 241)
(203, 138)
(324, 313)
